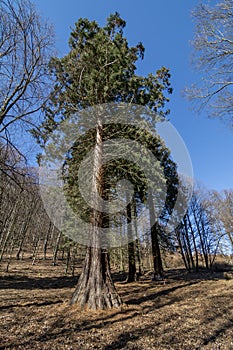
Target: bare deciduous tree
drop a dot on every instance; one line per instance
(199, 235)
(213, 57)
(25, 48)
(222, 207)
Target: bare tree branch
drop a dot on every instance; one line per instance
(25, 48)
(213, 57)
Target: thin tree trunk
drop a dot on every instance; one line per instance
(131, 245)
(194, 245)
(187, 255)
(157, 260)
(11, 221)
(137, 242)
(187, 265)
(74, 254)
(35, 251)
(67, 260)
(189, 249)
(201, 233)
(122, 260)
(45, 245)
(122, 265)
(25, 226)
(139, 257)
(8, 234)
(23, 231)
(56, 248)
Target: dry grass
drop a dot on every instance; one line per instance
(191, 311)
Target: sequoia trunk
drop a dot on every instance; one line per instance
(95, 288)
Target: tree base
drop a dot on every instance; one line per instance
(95, 289)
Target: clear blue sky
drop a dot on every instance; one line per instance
(165, 28)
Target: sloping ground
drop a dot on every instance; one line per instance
(189, 311)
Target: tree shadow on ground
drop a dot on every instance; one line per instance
(123, 340)
(156, 295)
(30, 283)
(201, 275)
(171, 336)
(24, 282)
(218, 332)
(38, 304)
(60, 328)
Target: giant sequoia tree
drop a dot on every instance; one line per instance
(100, 68)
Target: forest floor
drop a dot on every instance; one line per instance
(189, 311)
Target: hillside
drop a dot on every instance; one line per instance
(188, 311)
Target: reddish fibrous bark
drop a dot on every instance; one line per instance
(95, 288)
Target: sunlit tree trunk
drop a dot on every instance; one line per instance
(95, 288)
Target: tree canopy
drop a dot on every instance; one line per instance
(101, 68)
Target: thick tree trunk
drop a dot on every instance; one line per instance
(95, 288)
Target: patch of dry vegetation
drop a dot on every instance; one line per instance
(189, 311)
